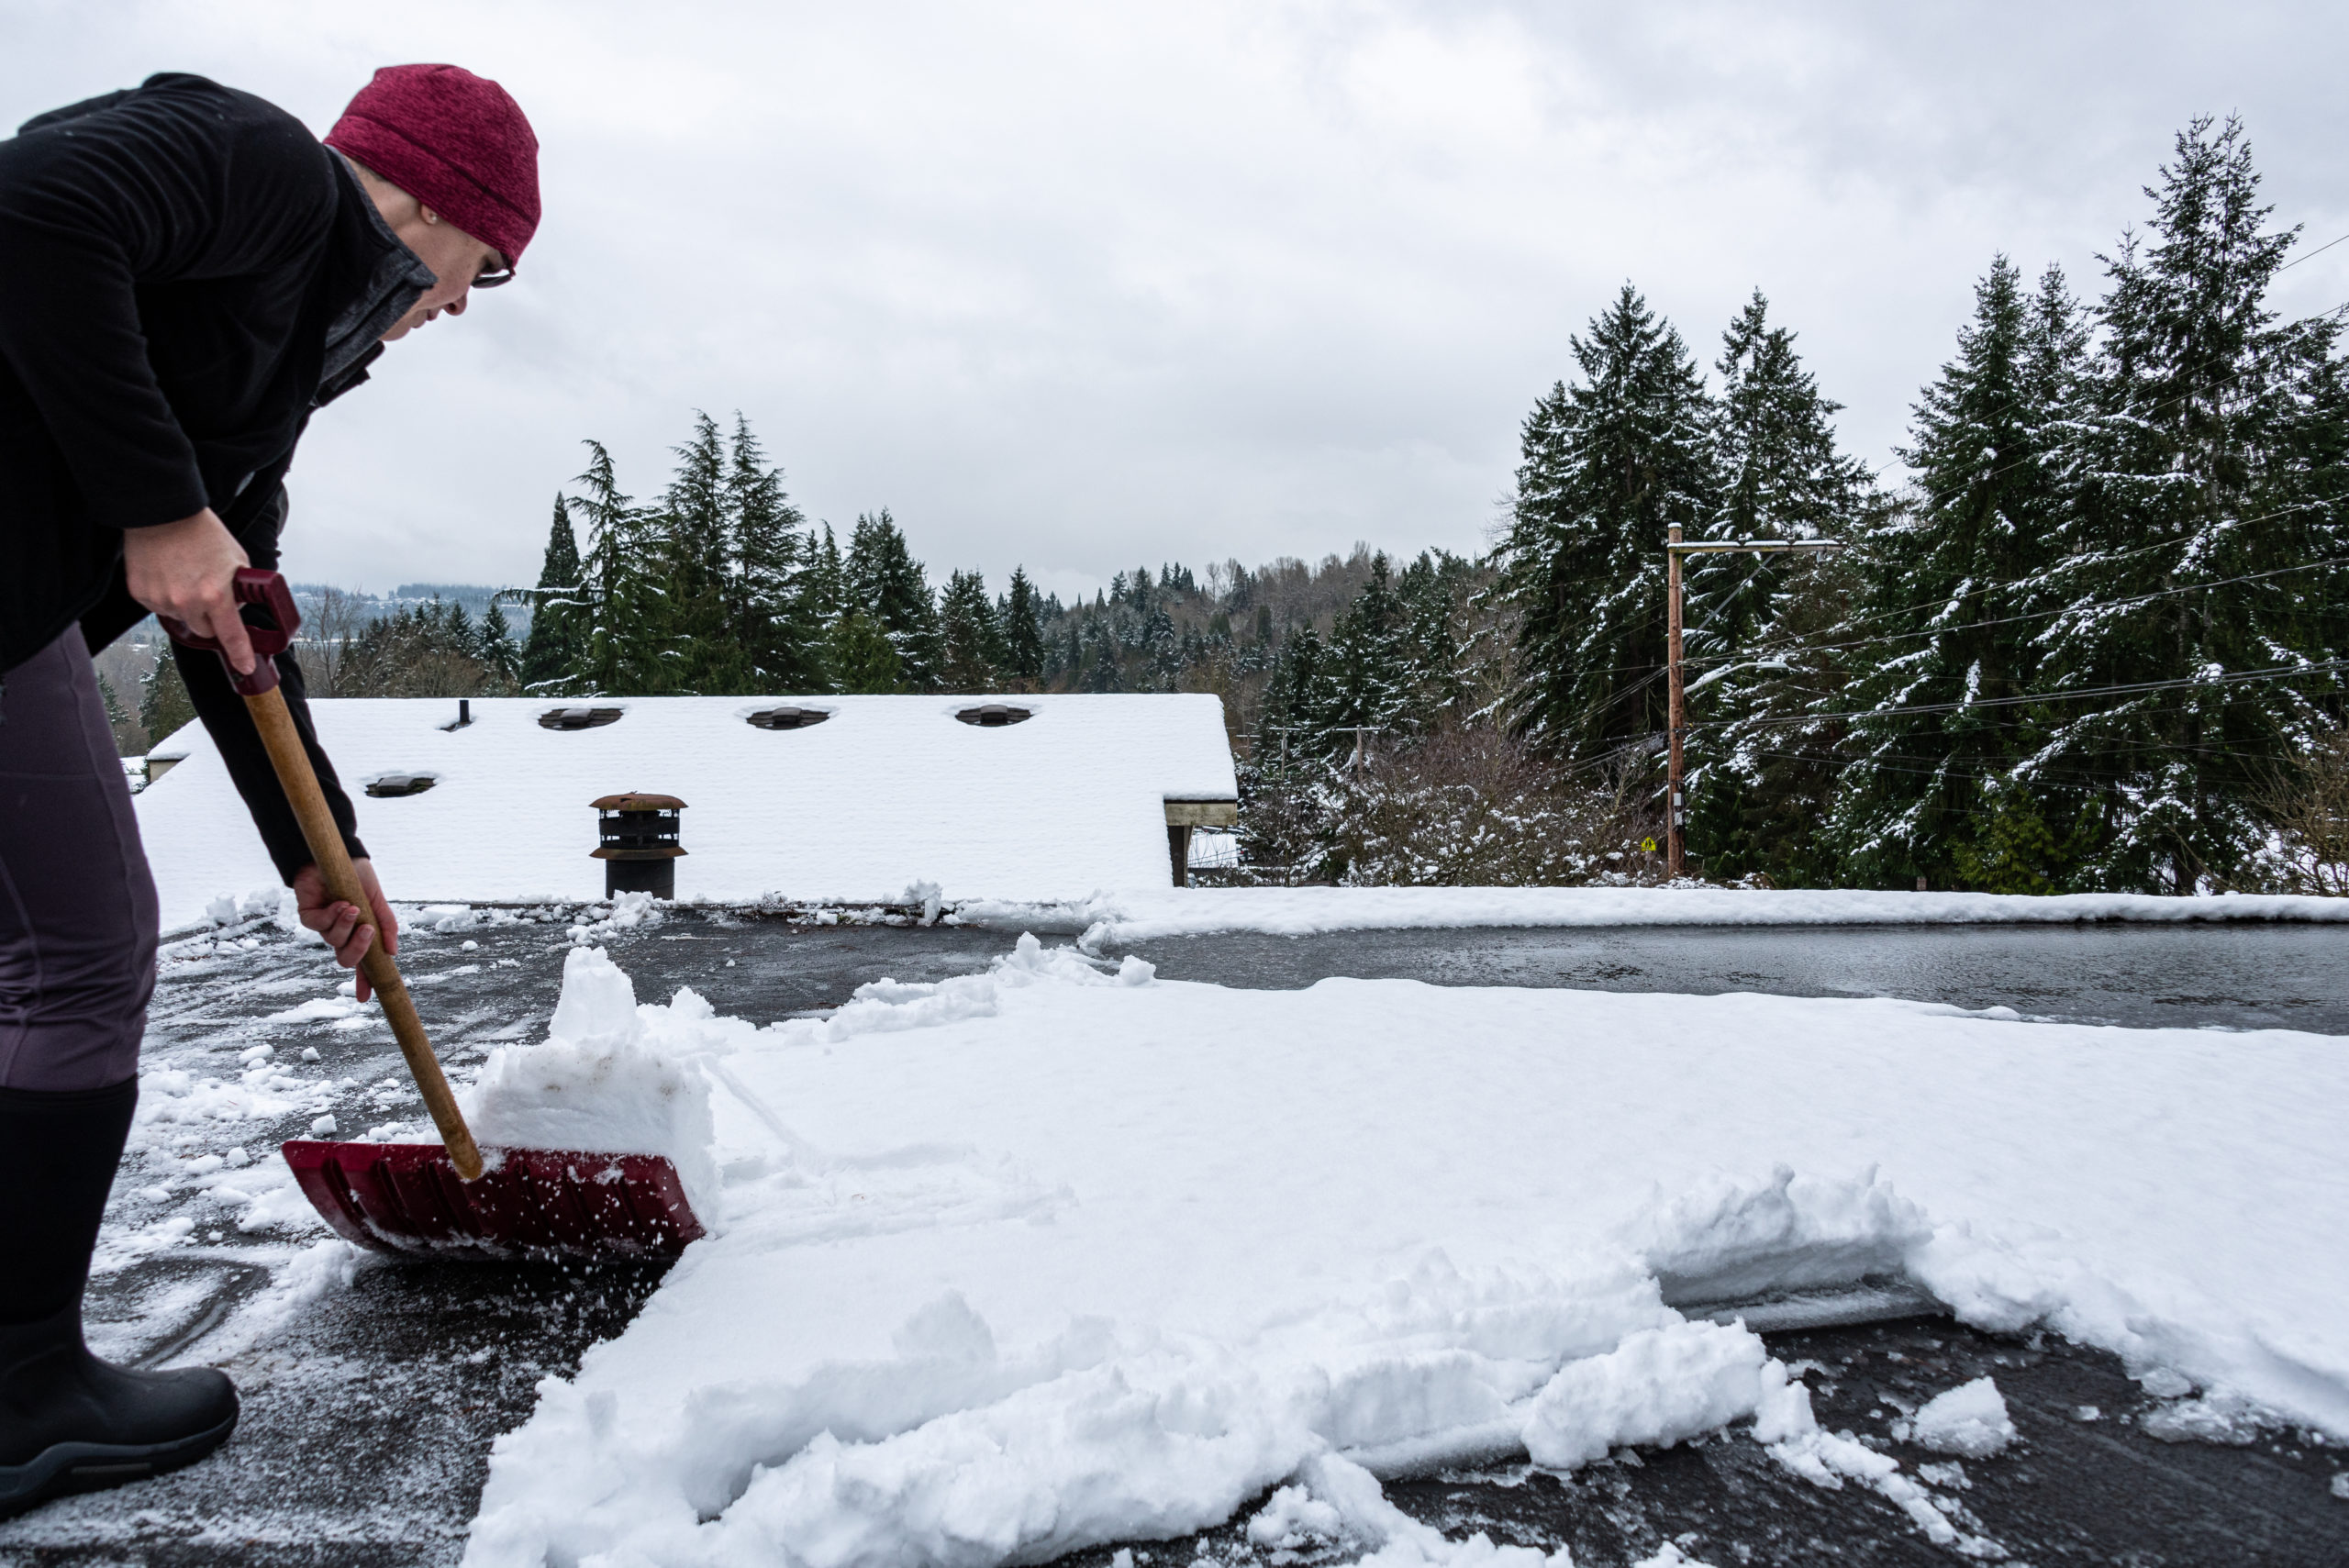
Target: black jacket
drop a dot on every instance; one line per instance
(185, 273)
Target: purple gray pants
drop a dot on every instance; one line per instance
(77, 905)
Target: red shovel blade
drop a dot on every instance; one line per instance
(531, 1203)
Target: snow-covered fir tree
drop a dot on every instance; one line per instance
(970, 635)
(1781, 476)
(498, 652)
(1608, 462)
(775, 604)
(1942, 637)
(2200, 555)
(1023, 631)
(1761, 768)
(702, 653)
(880, 578)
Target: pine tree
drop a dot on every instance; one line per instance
(703, 651)
(882, 579)
(861, 656)
(164, 707)
(1369, 683)
(1429, 590)
(971, 636)
(1608, 464)
(628, 632)
(497, 651)
(1761, 771)
(2207, 476)
(554, 650)
(1781, 477)
(1943, 615)
(1023, 630)
(776, 607)
(826, 586)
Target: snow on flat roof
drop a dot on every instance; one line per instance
(1139, 914)
(886, 793)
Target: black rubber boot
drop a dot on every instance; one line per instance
(70, 1422)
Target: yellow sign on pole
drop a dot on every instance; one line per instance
(1648, 845)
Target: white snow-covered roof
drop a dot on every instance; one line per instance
(886, 793)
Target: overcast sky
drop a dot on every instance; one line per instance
(1079, 286)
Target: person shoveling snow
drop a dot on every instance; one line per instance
(186, 273)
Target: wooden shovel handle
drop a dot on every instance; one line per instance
(275, 722)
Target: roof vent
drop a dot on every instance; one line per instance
(578, 717)
(995, 715)
(789, 718)
(393, 784)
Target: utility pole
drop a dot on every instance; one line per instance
(1673, 816)
(1676, 715)
(1361, 734)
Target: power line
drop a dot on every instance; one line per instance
(2047, 614)
(2276, 672)
(2318, 251)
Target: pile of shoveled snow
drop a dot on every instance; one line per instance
(1051, 1256)
(610, 1077)
(1148, 914)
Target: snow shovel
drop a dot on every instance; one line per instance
(441, 1199)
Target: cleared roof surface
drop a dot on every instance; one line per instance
(885, 795)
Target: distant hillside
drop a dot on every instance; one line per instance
(362, 607)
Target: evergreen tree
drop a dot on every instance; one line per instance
(1370, 683)
(497, 649)
(1761, 771)
(1781, 478)
(1023, 630)
(861, 656)
(826, 590)
(703, 651)
(1609, 464)
(627, 632)
(1941, 616)
(776, 607)
(882, 579)
(164, 707)
(1429, 590)
(555, 649)
(970, 635)
(2208, 476)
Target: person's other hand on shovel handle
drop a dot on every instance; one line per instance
(339, 922)
(186, 570)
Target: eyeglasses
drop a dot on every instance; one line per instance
(495, 277)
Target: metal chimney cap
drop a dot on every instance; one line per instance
(638, 803)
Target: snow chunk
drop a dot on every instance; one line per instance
(316, 1008)
(1725, 1239)
(604, 1082)
(2213, 1418)
(1660, 1386)
(1969, 1420)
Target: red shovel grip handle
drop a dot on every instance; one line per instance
(266, 591)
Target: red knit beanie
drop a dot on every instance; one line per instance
(455, 142)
